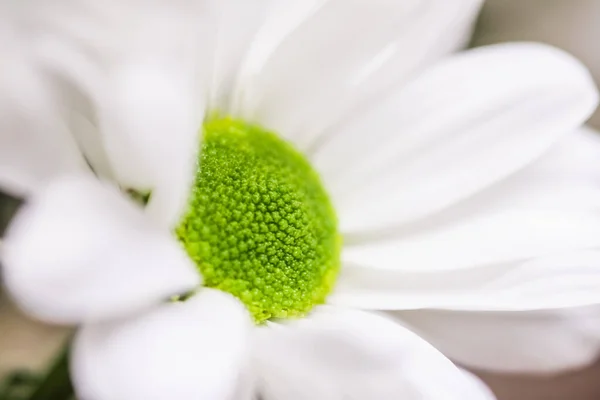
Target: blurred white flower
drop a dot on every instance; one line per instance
(433, 171)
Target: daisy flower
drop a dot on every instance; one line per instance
(268, 177)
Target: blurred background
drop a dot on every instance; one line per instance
(573, 25)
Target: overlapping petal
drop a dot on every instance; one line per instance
(145, 82)
(79, 252)
(191, 350)
(530, 242)
(314, 62)
(541, 342)
(35, 144)
(336, 354)
(456, 129)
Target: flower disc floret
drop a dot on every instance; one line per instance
(259, 223)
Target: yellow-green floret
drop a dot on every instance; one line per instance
(259, 224)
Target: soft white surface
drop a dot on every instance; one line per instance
(150, 130)
(337, 354)
(146, 83)
(79, 252)
(543, 342)
(557, 281)
(35, 145)
(314, 62)
(188, 351)
(457, 128)
(526, 243)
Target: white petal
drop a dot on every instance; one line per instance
(146, 82)
(536, 226)
(85, 130)
(516, 342)
(337, 354)
(528, 243)
(456, 129)
(186, 351)
(239, 22)
(516, 264)
(152, 135)
(565, 178)
(491, 236)
(35, 145)
(557, 281)
(303, 74)
(80, 252)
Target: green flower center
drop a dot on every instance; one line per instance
(259, 224)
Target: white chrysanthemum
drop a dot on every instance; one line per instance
(449, 216)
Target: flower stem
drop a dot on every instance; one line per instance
(56, 384)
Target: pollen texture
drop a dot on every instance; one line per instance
(260, 224)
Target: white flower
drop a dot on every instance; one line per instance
(446, 212)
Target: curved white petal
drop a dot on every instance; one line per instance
(548, 207)
(188, 351)
(78, 251)
(35, 145)
(456, 129)
(565, 178)
(556, 281)
(546, 341)
(529, 242)
(492, 236)
(337, 354)
(239, 23)
(152, 135)
(146, 82)
(314, 61)
(85, 130)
